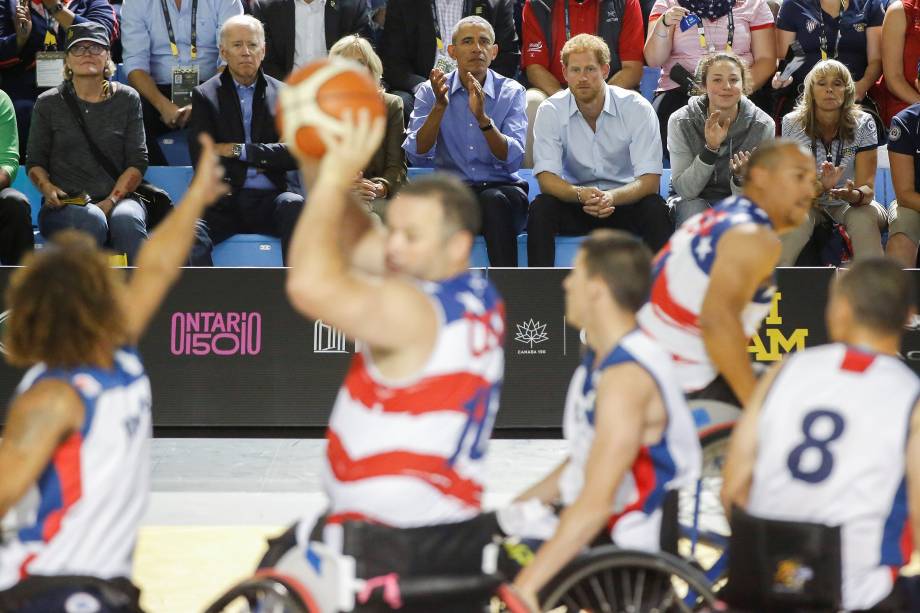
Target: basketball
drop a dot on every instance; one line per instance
(318, 95)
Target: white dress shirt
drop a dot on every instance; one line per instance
(309, 31)
(626, 144)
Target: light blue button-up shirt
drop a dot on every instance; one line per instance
(461, 146)
(254, 178)
(626, 145)
(145, 39)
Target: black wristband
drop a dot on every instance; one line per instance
(708, 156)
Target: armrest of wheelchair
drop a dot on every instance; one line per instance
(328, 575)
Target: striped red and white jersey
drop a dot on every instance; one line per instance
(412, 452)
(672, 462)
(82, 516)
(831, 449)
(681, 279)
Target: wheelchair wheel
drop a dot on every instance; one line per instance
(623, 581)
(267, 592)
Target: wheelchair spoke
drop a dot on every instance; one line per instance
(583, 598)
(640, 584)
(610, 591)
(627, 590)
(598, 593)
(573, 606)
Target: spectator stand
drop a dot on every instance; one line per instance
(258, 250)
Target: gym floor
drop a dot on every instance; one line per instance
(215, 501)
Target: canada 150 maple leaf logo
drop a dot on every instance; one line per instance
(531, 333)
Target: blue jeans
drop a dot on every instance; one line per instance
(124, 230)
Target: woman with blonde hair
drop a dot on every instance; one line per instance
(76, 190)
(712, 137)
(387, 169)
(844, 141)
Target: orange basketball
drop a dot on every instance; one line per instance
(319, 94)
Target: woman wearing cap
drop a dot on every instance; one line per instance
(29, 27)
(77, 192)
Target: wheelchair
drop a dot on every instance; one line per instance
(704, 529)
(316, 579)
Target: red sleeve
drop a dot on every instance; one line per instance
(533, 40)
(632, 40)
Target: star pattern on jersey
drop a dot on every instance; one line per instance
(703, 247)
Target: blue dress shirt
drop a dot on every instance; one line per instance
(254, 178)
(461, 146)
(145, 40)
(626, 144)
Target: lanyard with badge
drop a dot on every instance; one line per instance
(822, 37)
(827, 150)
(443, 62)
(184, 78)
(695, 20)
(568, 26)
(49, 63)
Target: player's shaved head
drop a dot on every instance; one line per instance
(769, 154)
(459, 205)
(879, 293)
(623, 262)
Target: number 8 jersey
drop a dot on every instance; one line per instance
(831, 449)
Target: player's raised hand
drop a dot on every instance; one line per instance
(350, 144)
(208, 185)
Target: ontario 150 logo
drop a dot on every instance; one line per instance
(213, 333)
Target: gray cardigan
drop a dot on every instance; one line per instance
(698, 173)
(56, 142)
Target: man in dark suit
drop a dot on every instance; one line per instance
(410, 40)
(236, 107)
(296, 28)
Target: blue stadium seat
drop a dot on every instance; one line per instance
(532, 184)
(566, 248)
(174, 179)
(665, 185)
(120, 75)
(248, 250)
(23, 184)
(649, 82)
(175, 148)
(884, 189)
(416, 172)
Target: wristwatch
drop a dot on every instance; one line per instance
(487, 127)
(237, 150)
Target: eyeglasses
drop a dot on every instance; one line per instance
(92, 49)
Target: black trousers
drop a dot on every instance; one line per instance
(254, 211)
(504, 216)
(647, 218)
(16, 237)
(155, 128)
